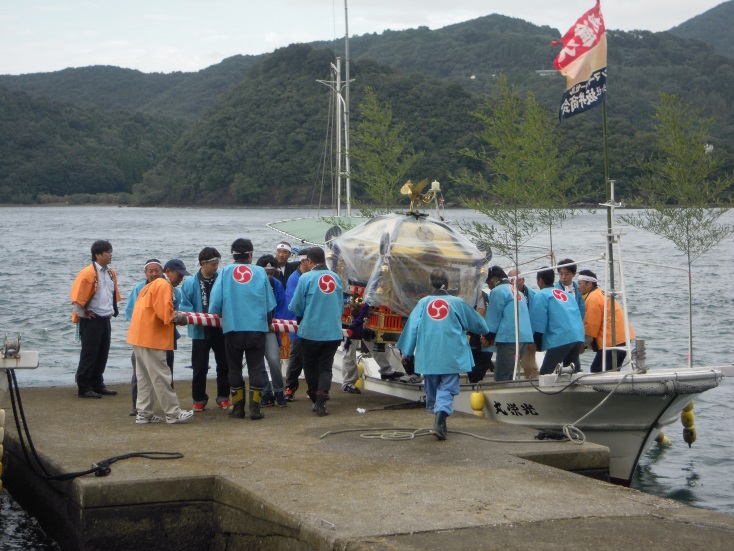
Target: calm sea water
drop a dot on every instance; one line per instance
(43, 248)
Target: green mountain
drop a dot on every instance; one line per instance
(712, 27)
(99, 86)
(261, 147)
(255, 126)
(49, 148)
(177, 95)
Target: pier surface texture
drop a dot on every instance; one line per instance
(276, 484)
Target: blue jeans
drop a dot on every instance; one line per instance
(440, 392)
(272, 355)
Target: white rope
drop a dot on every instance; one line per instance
(575, 434)
(403, 433)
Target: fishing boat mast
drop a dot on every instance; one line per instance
(347, 168)
(341, 118)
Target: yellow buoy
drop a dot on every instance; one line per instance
(689, 435)
(476, 401)
(686, 418)
(662, 439)
(689, 407)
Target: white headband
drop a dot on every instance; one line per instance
(283, 246)
(588, 278)
(153, 264)
(209, 260)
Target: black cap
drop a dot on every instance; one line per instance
(176, 265)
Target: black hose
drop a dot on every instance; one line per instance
(100, 468)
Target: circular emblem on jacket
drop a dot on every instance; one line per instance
(327, 284)
(242, 273)
(560, 295)
(438, 309)
(517, 293)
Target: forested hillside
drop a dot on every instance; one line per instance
(178, 95)
(255, 126)
(259, 146)
(712, 27)
(56, 149)
(96, 86)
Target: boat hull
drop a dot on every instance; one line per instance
(623, 411)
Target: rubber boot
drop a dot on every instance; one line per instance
(320, 405)
(255, 397)
(439, 426)
(237, 402)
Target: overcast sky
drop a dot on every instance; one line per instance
(188, 35)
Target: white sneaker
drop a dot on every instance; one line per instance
(183, 416)
(143, 420)
(412, 379)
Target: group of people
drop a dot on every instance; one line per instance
(246, 295)
(561, 318)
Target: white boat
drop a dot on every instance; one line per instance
(622, 410)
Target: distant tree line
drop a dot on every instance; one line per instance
(251, 129)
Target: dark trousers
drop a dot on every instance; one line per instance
(95, 334)
(200, 363)
(595, 366)
(318, 362)
(249, 345)
(134, 380)
(295, 364)
(566, 355)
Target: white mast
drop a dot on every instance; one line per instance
(346, 112)
(342, 123)
(337, 104)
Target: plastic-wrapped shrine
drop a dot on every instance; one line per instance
(386, 262)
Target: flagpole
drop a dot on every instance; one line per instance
(610, 229)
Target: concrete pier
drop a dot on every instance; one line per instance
(276, 484)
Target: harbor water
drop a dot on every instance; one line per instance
(44, 247)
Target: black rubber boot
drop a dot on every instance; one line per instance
(237, 402)
(255, 397)
(320, 406)
(439, 426)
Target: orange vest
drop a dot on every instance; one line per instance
(84, 287)
(594, 319)
(151, 326)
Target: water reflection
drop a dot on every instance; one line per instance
(18, 531)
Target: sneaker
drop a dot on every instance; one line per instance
(280, 400)
(412, 379)
(224, 404)
(267, 400)
(183, 416)
(351, 389)
(290, 394)
(393, 375)
(133, 412)
(143, 420)
(198, 407)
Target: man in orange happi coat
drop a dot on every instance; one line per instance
(94, 298)
(151, 335)
(594, 322)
